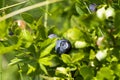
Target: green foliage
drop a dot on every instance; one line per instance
(94, 36)
(108, 74)
(3, 29)
(87, 73)
(27, 17)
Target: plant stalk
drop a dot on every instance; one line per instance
(27, 9)
(21, 76)
(12, 5)
(0, 67)
(46, 16)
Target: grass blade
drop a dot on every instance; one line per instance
(28, 8)
(13, 5)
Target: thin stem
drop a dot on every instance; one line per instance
(12, 5)
(3, 4)
(46, 16)
(21, 77)
(49, 78)
(0, 67)
(100, 31)
(87, 7)
(27, 9)
(41, 8)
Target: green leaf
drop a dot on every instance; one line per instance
(105, 73)
(66, 58)
(77, 56)
(61, 70)
(27, 17)
(78, 9)
(73, 34)
(46, 43)
(43, 68)
(80, 44)
(27, 37)
(74, 21)
(116, 69)
(41, 32)
(8, 49)
(31, 69)
(54, 59)
(51, 60)
(45, 61)
(89, 21)
(15, 60)
(3, 29)
(47, 50)
(25, 34)
(87, 73)
(39, 22)
(92, 55)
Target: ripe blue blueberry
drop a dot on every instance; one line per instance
(92, 7)
(52, 36)
(62, 46)
(10, 32)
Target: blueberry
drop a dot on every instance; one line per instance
(52, 36)
(10, 32)
(92, 7)
(62, 46)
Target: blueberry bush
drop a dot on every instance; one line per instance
(60, 40)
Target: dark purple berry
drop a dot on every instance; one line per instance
(63, 46)
(93, 7)
(10, 33)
